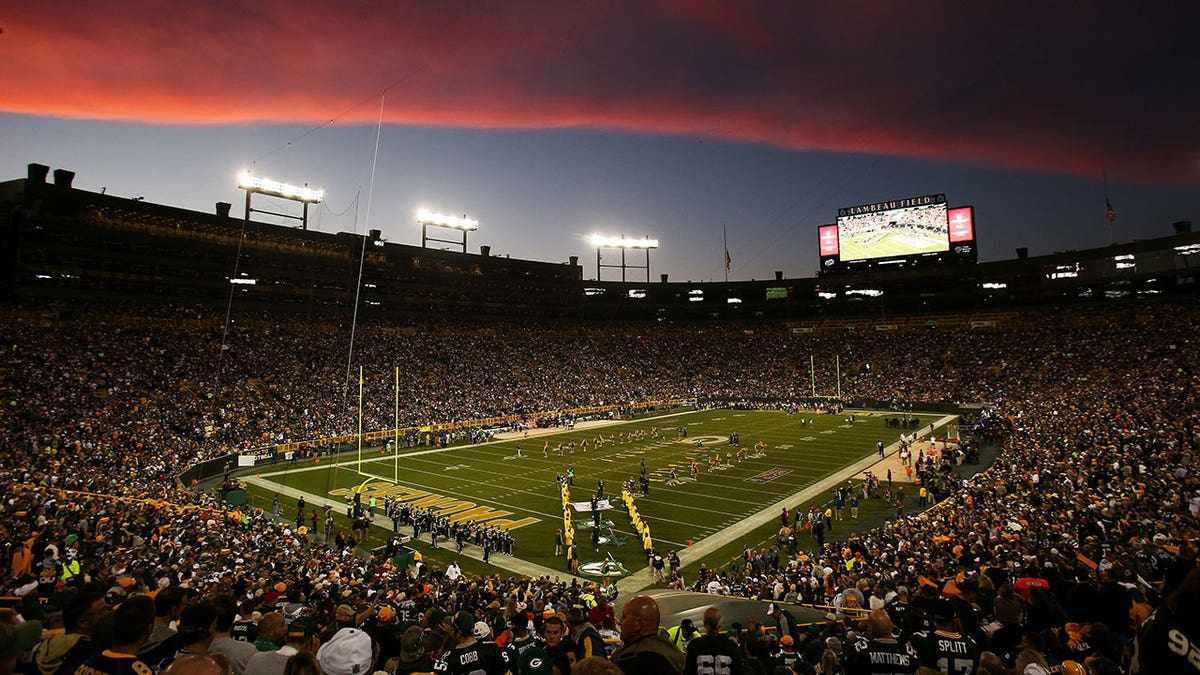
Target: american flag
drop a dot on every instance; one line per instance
(728, 260)
(1108, 214)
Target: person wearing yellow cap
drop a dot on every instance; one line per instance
(787, 656)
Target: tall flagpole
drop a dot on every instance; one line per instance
(837, 361)
(360, 388)
(725, 239)
(1108, 212)
(396, 442)
(362, 256)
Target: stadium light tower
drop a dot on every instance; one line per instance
(303, 194)
(601, 241)
(427, 219)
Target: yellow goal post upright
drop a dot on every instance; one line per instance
(395, 429)
(837, 372)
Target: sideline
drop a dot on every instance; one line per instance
(504, 562)
(538, 432)
(643, 578)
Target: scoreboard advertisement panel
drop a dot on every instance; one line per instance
(962, 224)
(828, 235)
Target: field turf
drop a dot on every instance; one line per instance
(891, 244)
(492, 477)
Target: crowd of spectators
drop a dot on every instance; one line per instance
(1085, 522)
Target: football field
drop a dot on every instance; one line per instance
(891, 244)
(489, 483)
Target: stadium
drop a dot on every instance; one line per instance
(1014, 441)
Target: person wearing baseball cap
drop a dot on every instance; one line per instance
(440, 637)
(787, 656)
(344, 617)
(381, 626)
(783, 619)
(469, 656)
(413, 657)
(349, 652)
(534, 661)
(682, 634)
(584, 634)
(946, 643)
(301, 636)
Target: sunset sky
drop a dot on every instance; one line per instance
(669, 118)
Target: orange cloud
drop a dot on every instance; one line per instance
(938, 80)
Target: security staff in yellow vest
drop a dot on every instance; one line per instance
(588, 598)
(72, 571)
(682, 634)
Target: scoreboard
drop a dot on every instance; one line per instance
(905, 232)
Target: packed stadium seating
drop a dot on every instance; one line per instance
(1089, 513)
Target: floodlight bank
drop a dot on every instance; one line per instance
(270, 187)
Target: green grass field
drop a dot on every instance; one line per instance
(489, 480)
(891, 244)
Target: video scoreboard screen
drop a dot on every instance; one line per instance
(899, 232)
